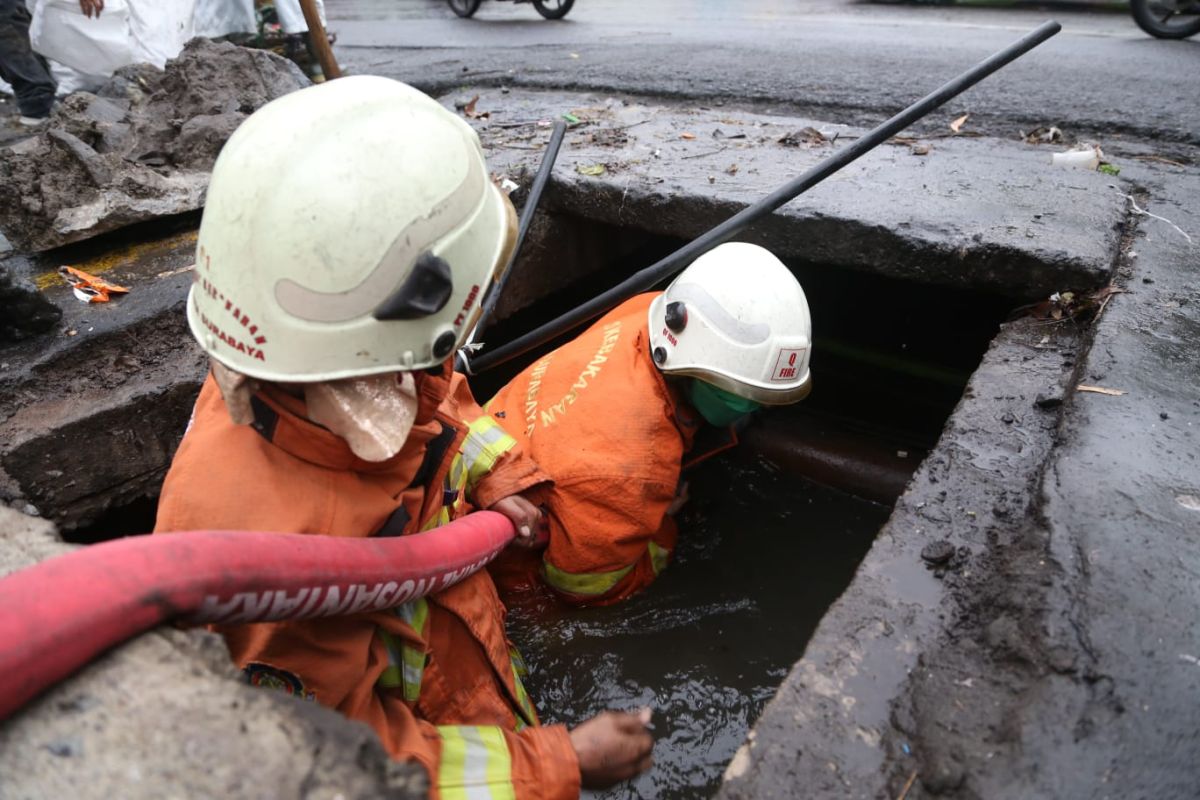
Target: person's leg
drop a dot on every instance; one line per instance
(19, 65)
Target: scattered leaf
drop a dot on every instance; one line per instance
(591, 169)
(1110, 169)
(1042, 135)
(1099, 390)
(720, 134)
(732, 169)
(469, 106)
(805, 137)
(956, 126)
(688, 136)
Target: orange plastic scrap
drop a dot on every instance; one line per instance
(89, 288)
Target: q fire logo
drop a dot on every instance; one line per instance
(785, 365)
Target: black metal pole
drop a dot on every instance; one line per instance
(648, 277)
(531, 203)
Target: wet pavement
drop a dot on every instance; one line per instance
(831, 59)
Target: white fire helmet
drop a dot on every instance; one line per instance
(350, 229)
(736, 318)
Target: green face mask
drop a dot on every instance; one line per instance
(717, 406)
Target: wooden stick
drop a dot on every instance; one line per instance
(319, 40)
(908, 785)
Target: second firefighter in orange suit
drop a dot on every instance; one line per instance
(613, 415)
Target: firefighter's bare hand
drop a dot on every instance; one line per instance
(525, 517)
(612, 747)
(681, 498)
(91, 7)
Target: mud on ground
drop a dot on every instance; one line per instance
(138, 149)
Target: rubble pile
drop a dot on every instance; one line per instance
(140, 148)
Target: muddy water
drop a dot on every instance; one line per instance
(762, 554)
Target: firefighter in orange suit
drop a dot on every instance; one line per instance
(613, 415)
(349, 235)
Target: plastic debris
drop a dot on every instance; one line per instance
(1099, 390)
(1087, 156)
(87, 287)
(1110, 169)
(570, 118)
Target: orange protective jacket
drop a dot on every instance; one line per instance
(437, 678)
(599, 417)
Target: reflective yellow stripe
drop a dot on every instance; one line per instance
(456, 478)
(587, 584)
(486, 441)
(406, 663)
(659, 556)
(438, 519)
(475, 764)
(528, 712)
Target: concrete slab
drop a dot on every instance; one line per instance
(973, 212)
(830, 730)
(1059, 656)
(139, 149)
(165, 716)
(93, 410)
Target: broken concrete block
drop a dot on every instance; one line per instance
(141, 148)
(165, 716)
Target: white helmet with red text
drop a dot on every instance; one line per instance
(736, 318)
(350, 229)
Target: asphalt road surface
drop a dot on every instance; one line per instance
(848, 62)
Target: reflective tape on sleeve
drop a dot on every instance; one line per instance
(486, 441)
(406, 662)
(584, 584)
(475, 764)
(659, 557)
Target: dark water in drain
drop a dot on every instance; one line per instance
(761, 556)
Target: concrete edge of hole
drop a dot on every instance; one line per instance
(164, 715)
(983, 213)
(843, 722)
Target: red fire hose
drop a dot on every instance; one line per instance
(58, 615)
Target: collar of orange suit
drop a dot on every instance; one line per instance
(280, 418)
